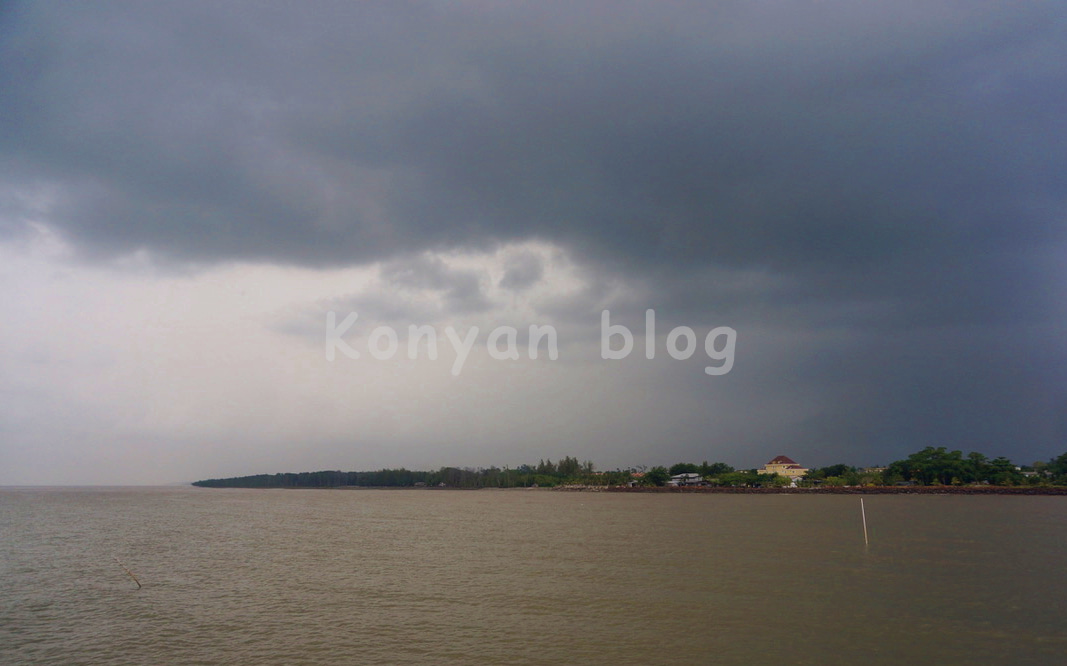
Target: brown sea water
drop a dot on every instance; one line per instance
(495, 577)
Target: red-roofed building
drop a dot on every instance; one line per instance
(785, 466)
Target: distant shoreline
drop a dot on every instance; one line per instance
(724, 490)
(835, 490)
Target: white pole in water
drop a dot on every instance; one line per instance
(863, 512)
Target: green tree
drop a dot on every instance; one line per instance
(977, 468)
(1057, 468)
(931, 466)
(714, 469)
(683, 468)
(839, 469)
(772, 480)
(545, 467)
(1002, 472)
(658, 476)
(568, 467)
(739, 479)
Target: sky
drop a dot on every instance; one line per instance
(851, 213)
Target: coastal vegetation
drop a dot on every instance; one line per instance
(543, 474)
(929, 467)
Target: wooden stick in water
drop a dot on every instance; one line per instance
(128, 572)
(863, 512)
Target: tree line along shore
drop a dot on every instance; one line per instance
(837, 490)
(931, 470)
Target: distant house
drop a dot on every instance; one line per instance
(785, 466)
(690, 479)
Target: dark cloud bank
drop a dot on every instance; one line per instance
(893, 174)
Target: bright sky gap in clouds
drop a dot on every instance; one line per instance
(871, 195)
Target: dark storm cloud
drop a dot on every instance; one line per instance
(809, 138)
(831, 166)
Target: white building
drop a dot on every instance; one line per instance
(690, 479)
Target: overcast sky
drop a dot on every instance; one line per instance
(871, 195)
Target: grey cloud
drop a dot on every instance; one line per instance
(416, 290)
(826, 138)
(461, 290)
(872, 169)
(524, 270)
